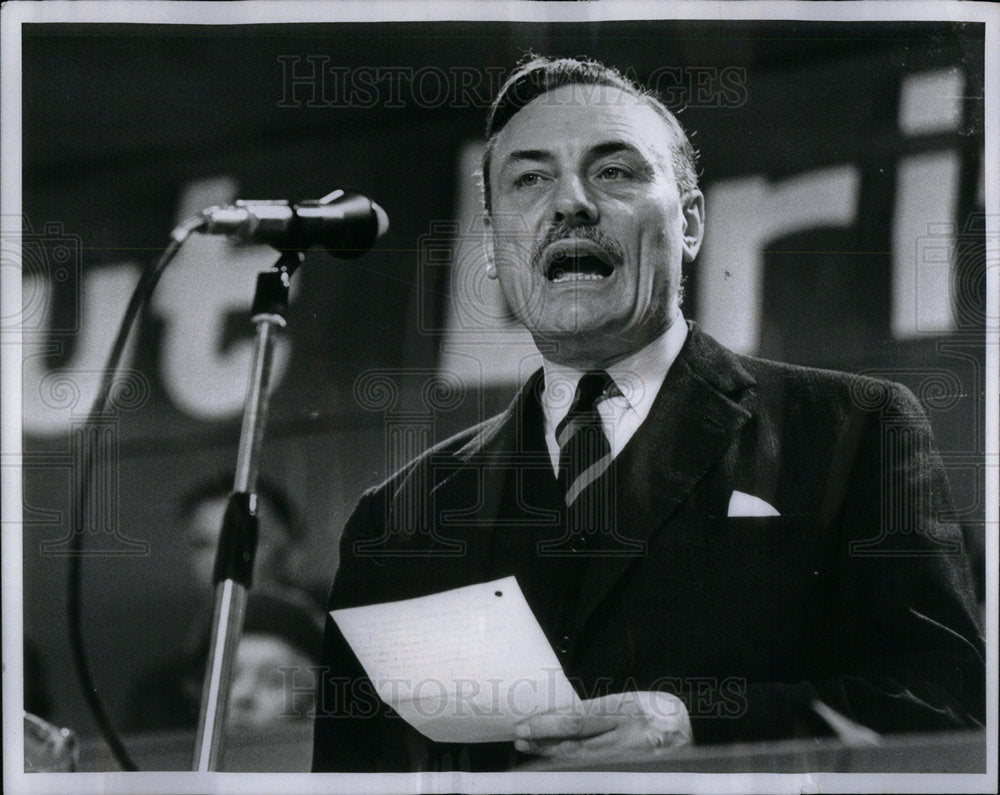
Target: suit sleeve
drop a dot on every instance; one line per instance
(354, 730)
(900, 647)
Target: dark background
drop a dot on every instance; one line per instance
(118, 119)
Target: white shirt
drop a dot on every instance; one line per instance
(639, 377)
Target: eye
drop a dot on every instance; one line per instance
(528, 180)
(614, 173)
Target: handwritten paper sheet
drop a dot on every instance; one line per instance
(464, 665)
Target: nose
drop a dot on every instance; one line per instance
(573, 205)
(243, 713)
(242, 699)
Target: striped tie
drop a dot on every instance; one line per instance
(584, 451)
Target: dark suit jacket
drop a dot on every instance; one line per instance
(857, 595)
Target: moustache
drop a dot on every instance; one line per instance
(561, 231)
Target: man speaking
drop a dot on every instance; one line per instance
(695, 531)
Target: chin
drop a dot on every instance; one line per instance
(587, 342)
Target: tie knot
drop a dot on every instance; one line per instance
(593, 387)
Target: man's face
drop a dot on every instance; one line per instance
(589, 229)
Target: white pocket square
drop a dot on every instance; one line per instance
(741, 504)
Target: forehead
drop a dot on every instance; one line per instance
(576, 117)
(259, 649)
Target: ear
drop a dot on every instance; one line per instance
(693, 211)
(491, 267)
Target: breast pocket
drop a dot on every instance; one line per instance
(765, 577)
(786, 529)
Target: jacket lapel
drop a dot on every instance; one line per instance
(470, 482)
(704, 402)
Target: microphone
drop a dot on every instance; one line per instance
(345, 223)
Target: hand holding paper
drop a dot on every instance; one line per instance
(643, 721)
(465, 665)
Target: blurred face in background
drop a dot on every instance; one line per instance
(261, 693)
(202, 536)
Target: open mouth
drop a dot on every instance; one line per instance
(569, 261)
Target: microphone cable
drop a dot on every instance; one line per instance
(143, 290)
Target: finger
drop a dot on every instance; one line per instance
(628, 735)
(615, 740)
(552, 749)
(608, 740)
(635, 736)
(553, 726)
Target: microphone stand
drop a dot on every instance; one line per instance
(238, 539)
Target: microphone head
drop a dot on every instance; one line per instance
(383, 219)
(344, 223)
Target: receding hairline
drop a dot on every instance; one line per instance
(613, 143)
(677, 138)
(536, 77)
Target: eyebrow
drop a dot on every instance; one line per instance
(616, 147)
(519, 155)
(598, 150)
(611, 148)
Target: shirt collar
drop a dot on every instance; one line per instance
(638, 376)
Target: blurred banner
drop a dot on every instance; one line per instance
(842, 165)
